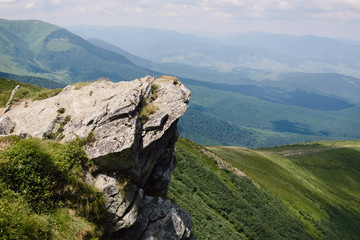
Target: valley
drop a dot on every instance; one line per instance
(268, 149)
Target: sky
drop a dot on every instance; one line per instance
(330, 18)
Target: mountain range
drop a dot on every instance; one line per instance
(259, 108)
(299, 191)
(254, 54)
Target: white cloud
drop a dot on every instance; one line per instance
(263, 15)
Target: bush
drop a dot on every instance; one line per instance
(43, 194)
(30, 171)
(16, 219)
(43, 173)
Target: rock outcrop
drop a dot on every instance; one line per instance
(130, 130)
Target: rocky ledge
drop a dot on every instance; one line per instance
(130, 131)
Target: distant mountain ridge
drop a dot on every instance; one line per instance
(331, 84)
(258, 54)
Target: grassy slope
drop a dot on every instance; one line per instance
(42, 192)
(319, 182)
(224, 205)
(266, 124)
(26, 91)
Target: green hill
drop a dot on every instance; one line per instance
(220, 117)
(35, 48)
(305, 191)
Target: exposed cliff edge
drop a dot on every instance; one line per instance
(130, 129)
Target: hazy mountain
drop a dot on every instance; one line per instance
(178, 69)
(41, 49)
(333, 84)
(271, 53)
(309, 46)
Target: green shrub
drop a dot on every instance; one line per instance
(69, 156)
(61, 110)
(30, 171)
(47, 175)
(21, 93)
(17, 221)
(176, 81)
(43, 194)
(6, 141)
(154, 87)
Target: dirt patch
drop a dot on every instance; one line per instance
(223, 164)
(2, 110)
(17, 103)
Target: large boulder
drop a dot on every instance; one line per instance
(130, 130)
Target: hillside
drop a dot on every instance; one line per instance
(227, 117)
(305, 191)
(40, 49)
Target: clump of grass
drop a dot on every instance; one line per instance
(80, 85)
(90, 138)
(147, 110)
(61, 110)
(46, 93)
(170, 78)
(154, 89)
(58, 134)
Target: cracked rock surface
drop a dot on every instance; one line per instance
(134, 154)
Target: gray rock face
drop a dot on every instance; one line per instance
(6, 126)
(158, 219)
(131, 128)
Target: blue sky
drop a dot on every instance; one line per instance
(333, 18)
